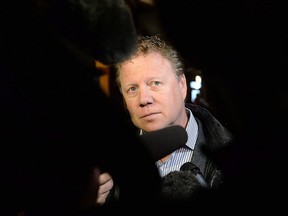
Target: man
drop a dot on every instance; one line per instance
(154, 88)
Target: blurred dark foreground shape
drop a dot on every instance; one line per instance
(58, 129)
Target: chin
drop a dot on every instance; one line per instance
(153, 128)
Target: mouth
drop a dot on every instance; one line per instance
(149, 115)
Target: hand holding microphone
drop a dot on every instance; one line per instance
(159, 143)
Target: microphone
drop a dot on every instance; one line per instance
(191, 167)
(163, 142)
(97, 34)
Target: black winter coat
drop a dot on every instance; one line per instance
(212, 137)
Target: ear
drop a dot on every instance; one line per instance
(183, 85)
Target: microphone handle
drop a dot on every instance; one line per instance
(201, 180)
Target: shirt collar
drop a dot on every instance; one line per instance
(191, 129)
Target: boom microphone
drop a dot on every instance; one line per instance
(191, 167)
(163, 142)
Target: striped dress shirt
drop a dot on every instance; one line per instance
(182, 155)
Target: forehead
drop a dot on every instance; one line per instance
(146, 63)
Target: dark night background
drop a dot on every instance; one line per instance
(241, 49)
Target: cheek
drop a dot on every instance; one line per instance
(179, 90)
(130, 105)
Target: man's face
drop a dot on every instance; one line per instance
(153, 94)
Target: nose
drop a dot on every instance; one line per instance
(145, 97)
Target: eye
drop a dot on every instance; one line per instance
(132, 89)
(155, 83)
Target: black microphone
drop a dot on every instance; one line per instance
(191, 167)
(163, 142)
(98, 34)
